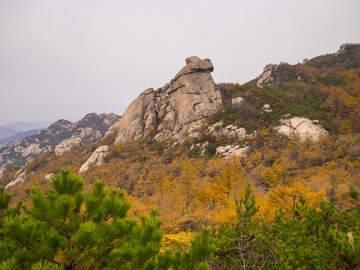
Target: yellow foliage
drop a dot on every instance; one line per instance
(286, 197)
(179, 241)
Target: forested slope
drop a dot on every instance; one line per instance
(304, 189)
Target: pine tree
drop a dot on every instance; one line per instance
(68, 229)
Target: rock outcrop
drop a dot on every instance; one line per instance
(18, 179)
(96, 159)
(230, 131)
(267, 108)
(229, 151)
(174, 111)
(67, 145)
(266, 76)
(49, 176)
(302, 127)
(237, 103)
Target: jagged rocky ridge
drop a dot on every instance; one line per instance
(277, 72)
(60, 137)
(175, 110)
(18, 136)
(178, 109)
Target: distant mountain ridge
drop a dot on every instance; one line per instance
(18, 136)
(7, 132)
(19, 130)
(26, 126)
(59, 137)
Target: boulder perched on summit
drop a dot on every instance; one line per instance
(195, 64)
(175, 110)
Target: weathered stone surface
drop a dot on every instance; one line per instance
(267, 108)
(220, 149)
(67, 145)
(202, 147)
(238, 103)
(18, 179)
(174, 111)
(195, 64)
(230, 131)
(266, 76)
(97, 158)
(302, 127)
(32, 149)
(229, 151)
(48, 176)
(342, 49)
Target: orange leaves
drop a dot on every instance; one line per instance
(286, 197)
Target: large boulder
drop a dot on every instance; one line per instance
(174, 111)
(238, 103)
(302, 127)
(97, 158)
(229, 151)
(18, 179)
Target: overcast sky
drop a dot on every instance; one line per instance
(65, 58)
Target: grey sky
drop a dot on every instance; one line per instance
(66, 58)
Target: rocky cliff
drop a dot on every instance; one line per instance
(175, 110)
(60, 137)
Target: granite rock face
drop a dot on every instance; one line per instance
(174, 111)
(230, 131)
(302, 127)
(67, 145)
(267, 75)
(229, 151)
(18, 179)
(97, 158)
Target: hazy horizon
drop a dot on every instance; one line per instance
(62, 60)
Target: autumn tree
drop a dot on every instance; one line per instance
(227, 180)
(72, 230)
(308, 238)
(187, 184)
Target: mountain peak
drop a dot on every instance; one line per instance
(195, 64)
(175, 110)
